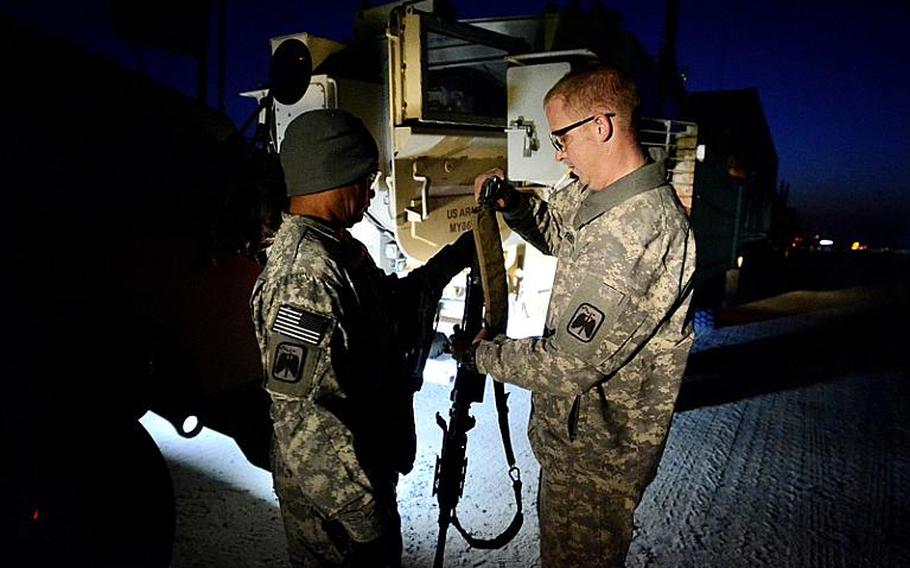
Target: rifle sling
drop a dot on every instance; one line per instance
(492, 271)
(496, 308)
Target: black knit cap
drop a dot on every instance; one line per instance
(324, 149)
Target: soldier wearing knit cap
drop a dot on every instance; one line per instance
(325, 149)
(332, 330)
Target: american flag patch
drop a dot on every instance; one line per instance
(305, 326)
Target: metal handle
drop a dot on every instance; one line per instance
(531, 143)
(413, 215)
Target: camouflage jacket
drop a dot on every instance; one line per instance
(624, 255)
(324, 319)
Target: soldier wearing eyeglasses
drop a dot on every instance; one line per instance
(607, 368)
(333, 330)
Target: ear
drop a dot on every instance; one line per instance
(604, 127)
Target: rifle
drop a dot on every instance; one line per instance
(486, 286)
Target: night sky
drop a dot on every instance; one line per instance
(833, 81)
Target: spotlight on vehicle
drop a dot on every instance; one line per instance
(290, 71)
(191, 426)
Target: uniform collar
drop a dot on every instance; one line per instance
(314, 224)
(596, 203)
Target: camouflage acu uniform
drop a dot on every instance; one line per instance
(343, 415)
(625, 254)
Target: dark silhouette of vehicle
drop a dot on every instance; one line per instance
(132, 218)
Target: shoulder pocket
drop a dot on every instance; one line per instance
(298, 345)
(590, 316)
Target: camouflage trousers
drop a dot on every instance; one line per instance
(585, 520)
(315, 541)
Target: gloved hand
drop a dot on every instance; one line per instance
(499, 193)
(491, 187)
(462, 347)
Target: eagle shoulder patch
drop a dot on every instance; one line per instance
(288, 362)
(589, 320)
(585, 322)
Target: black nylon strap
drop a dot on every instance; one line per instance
(502, 410)
(509, 533)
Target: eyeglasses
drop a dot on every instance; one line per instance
(556, 135)
(371, 178)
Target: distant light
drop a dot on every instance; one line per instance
(855, 245)
(190, 424)
(700, 152)
(825, 242)
(739, 262)
(35, 515)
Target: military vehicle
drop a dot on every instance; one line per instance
(450, 99)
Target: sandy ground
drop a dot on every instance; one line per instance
(789, 448)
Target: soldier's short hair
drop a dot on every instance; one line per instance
(598, 88)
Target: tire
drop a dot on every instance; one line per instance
(105, 503)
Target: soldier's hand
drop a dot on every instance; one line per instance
(500, 204)
(462, 346)
(496, 192)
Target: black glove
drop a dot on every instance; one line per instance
(498, 194)
(460, 253)
(448, 262)
(462, 347)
